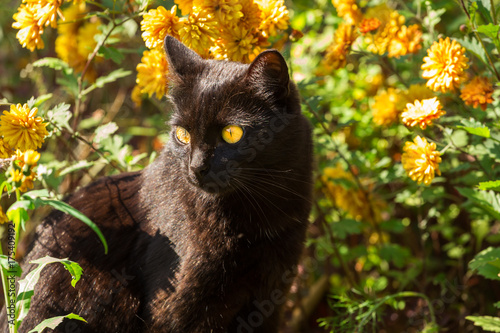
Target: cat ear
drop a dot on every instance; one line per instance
(181, 59)
(269, 68)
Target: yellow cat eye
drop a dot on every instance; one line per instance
(232, 133)
(182, 135)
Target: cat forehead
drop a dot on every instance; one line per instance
(217, 94)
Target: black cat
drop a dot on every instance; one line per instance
(206, 238)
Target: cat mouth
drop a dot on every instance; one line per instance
(210, 183)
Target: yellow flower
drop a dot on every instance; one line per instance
(157, 23)
(385, 111)
(445, 65)
(30, 32)
(407, 40)
(274, 16)
(239, 44)
(251, 15)
(391, 23)
(22, 172)
(29, 157)
(199, 31)
(421, 160)
(336, 54)
(368, 25)
(348, 10)
(186, 6)
(85, 39)
(5, 150)
(136, 95)
(75, 41)
(414, 92)
(152, 73)
(21, 128)
(226, 12)
(3, 217)
(478, 92)
(20, 181)
(46, 11)
(353, 201)
(422, 113)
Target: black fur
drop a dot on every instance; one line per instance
(212, 252)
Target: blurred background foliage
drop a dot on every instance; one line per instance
(385, 253)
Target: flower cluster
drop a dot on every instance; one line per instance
(389, 105)
(22, 133)
(236, 30)
(31, 19)
(382, 28)
(75, 40)
(352, 202)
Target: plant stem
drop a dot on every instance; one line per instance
(493, 12)
(17, 227)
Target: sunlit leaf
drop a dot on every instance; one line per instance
(53, 322)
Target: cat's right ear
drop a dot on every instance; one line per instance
(181, 59)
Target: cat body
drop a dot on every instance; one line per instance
(206, 238)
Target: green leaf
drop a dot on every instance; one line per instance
(111, 77)
(395, 253)
(109, 52)
(60, 116)
(70, 82)
(54, 63)
(474, 127)
(487, 263)
(486, 200)
(53, 322)
(489, 30)
(36, 102)
(10, 266)
(490, 185)
(487, 323)
(27, 285)
(18, 212)
(474, 47)
(35, 199)
(105, 131)
(68, 209)
(84, 164)
(346, 227)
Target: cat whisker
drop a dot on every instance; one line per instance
(273, 183)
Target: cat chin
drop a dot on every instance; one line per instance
(211, 187)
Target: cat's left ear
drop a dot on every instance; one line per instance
(181, 59)
(269, 69)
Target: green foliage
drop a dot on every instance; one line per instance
(27, 286)
(52, 323)
(487, 323)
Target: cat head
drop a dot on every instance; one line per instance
(230, 120)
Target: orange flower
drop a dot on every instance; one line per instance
(445, 65)
(477, 92)
(422, 113)
(421, 160)
(369, 24)
(385, 111)
(407, 40)
(336, 54)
